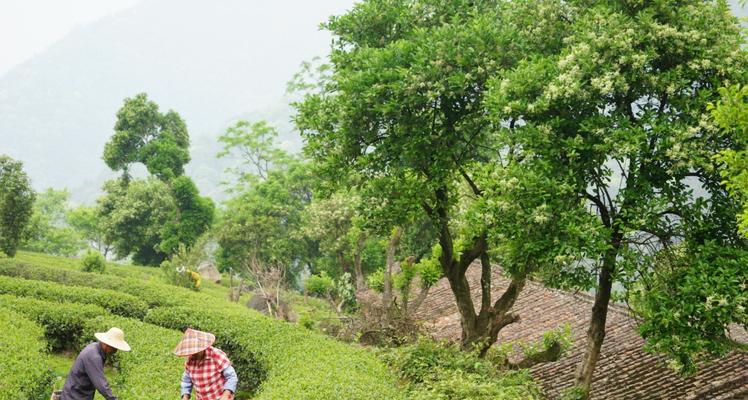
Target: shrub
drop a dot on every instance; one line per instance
(320, 285)
(155, 295)
(149, 371)
(117, 303)
(299, 364)
(63, 323)
(288, 361)
(23, 371)
(440, 370)
(93, 261)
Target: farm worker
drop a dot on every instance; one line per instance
(207, 370)
(87, 373)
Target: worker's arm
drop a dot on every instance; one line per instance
(186, 386)
(231, 380)
(94, 367)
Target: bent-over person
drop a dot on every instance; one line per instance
(87, 374)
(207, 371)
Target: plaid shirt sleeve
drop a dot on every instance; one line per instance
(186, 384)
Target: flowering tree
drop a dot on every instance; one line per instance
(619, 112)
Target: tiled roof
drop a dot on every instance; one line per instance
(624, 371)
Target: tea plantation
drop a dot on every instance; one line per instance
(48, 305)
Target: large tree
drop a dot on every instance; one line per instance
(620, 111)
(160, 141)
(134, 213)
(16, 203)
(402, 116)
(142, 134)
(731, 114)
(263, 222)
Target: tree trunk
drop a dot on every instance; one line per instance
(387, 296)
(478, 330)
(360, 282)
(414, 305)
(343, 264)
(596, 330)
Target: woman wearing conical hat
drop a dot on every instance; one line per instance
(207, 371)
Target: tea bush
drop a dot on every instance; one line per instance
(153, 294)
(299, 364)
(23, 371)
(117, 303)
(149, 371)
(285, 361)
(93, 261)
(64, 323)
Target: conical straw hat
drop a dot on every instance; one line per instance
(113, 337)
(194, 342)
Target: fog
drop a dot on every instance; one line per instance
(65, 68)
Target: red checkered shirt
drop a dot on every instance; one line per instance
(206, 374)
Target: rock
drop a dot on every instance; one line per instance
(209, 271)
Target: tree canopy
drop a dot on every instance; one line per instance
(16, 204)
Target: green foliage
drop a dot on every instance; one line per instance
(49, 231)
(135, 214)
(254, 144)
(300, 364)
(64, 323)
(170, 215)
(180, 275)
(437, 370)
(731, 114)
(155, 295)
(375, 280)
(147, 371)
(428, 271)
(636, 148)
(93, 261)
(23, 372)
(192, 217)
(291, 362)
(16, 202)
(115, 302)
(264, 221)
(143, 134)
(689, 303)
(320, 285)
(88, 224)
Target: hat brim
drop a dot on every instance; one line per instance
(188, 352)
(117, 344)
(191, 345)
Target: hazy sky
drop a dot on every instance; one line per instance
(29, 26)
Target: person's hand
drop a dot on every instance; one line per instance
(227, 395)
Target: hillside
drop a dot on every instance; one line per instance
(210, 61)
(49, 296)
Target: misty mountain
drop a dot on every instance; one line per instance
(211, 61)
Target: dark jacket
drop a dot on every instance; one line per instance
(87, 375)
